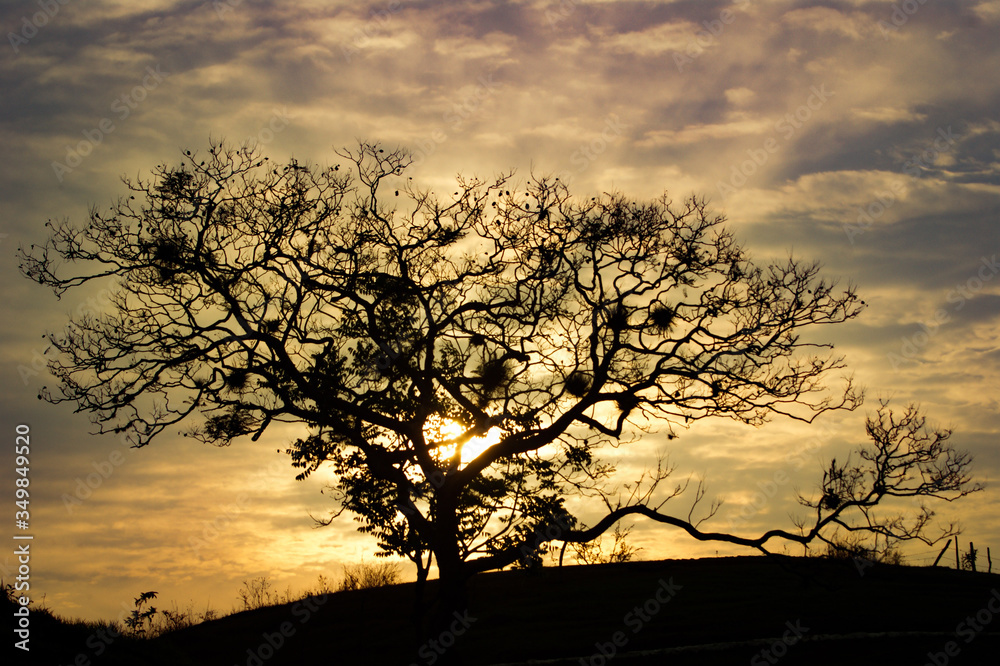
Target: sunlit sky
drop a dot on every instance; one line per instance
(849, 132)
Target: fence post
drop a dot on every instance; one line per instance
(938, 558)
(958, 561)
(989, 560)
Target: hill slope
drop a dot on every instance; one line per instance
(724, 610)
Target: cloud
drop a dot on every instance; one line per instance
(494, 45)
(652, 41)
(855, 26)
(701, 133)
(740, 96)
(988, 11)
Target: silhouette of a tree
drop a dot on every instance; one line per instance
(399, 325)
(905, 459)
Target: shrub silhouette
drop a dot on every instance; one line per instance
(364, 576)
(257, 593)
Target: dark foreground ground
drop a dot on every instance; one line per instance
(747, 610)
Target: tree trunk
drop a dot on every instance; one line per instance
(451, 603)
(420, 587)
(451, 579)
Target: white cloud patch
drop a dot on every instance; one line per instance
(699, 133)
(740, 96)
(888, 115)
(653, 41)
(988, 11)
(826, 19)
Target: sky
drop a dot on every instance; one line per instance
(863, 135)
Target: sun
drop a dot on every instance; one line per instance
(438, 430)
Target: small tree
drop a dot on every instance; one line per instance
(905, 459)
(140, 621)
(399, 326)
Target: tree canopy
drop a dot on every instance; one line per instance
(402, 326)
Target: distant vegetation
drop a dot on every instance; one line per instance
(146, 621)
